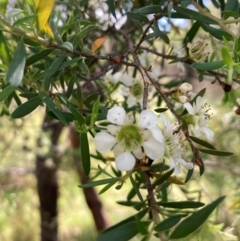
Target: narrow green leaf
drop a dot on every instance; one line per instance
(226, 57)
(111, 6)
(16, 68)
(6, 92)
(70, 62)
(85, 156)
(78, 116)
(69, 117)
(192, 32)
(164, 177)
(83, 67)
(104, 171)
(95, 112)
(181, 204)
(160, 110)
(232, 5)
(85, 31)
(194, 221)
(54, 67)
(24, 20)
(138, 16)
(149, 9)
(190, 171)
(4, 50)
(159, 34)
(168, 223)
(215, 152)
(217, 32)
(38, 56)
(26, 107)
(50, 104)
(209, 65)
(136, 188)
(117, 231)
(191, 14)
(3, 6)
(201, 142)
(104, 189)
(100, 182)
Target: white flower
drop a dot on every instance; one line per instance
(200, 118)
(173, 147)
(128, 140)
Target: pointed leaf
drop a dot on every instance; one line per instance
(54, 67)
(100, 182)
(181, 204)
(16, 68)
(216, 152)
(226, 57)
(194, 221)
(159, 34)
(201, 142)
(163, 177)
(138, 16)
(4, 50)
(50, 104)
(160, 110)
(97, 44)
(6, 92)
(111, 7)
(168, 223)
(191, 14)
(85, 156)
(150, 9)
(38, 56)
(95, 112)
(26, 107)
(209, 65)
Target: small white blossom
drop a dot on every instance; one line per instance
(200, 118)
(128, 140)
(173, 147)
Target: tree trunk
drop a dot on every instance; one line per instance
(91, 197)
(47, 160)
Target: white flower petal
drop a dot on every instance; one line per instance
(129, 118)
(125, 161)
(148, 119)
(188, 165)
(127, 80)
(209, 134)
(166, 122)
(116, 115)
(131, 100)
(174, 165)
(138, 153)
(189, 108)
(117, 77)
(118, 149)
(113, 130)
(104, 141)
(157, 134)
(199, 103)
(153, 149)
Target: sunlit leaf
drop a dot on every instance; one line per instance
(226, 57)
(4, 50)
(43, 10)
(97, 44)
(194, 221)
(6, 92)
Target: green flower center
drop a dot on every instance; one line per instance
(130, 136)
(137, 90)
